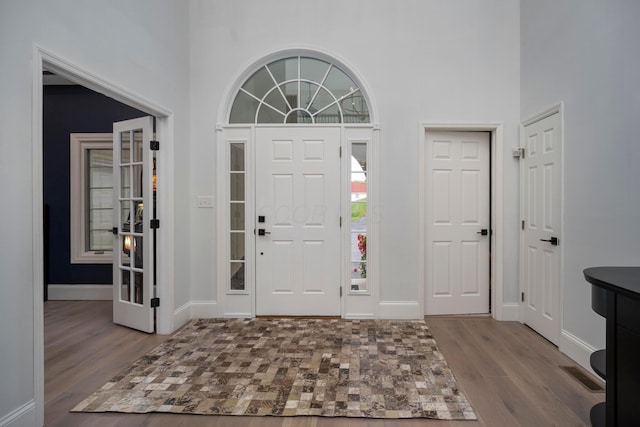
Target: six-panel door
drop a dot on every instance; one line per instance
(298, 194)
(456, 213)
(542, 220)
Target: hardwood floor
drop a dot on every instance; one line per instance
(510, 374)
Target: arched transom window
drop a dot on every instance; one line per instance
(299, 90)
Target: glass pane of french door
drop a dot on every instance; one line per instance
(132, 204)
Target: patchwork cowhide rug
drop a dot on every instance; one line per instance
(290, 367)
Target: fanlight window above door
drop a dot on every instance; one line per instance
(299, 90)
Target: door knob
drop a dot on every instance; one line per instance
(553, 241)
(262, 232)
(483, 232)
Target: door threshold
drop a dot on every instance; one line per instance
(296, 317)
(457, 315)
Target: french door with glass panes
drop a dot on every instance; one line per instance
(134, 205)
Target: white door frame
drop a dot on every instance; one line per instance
(559, 109)
(44, 59)
(497, 208)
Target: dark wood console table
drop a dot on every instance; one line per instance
(615, 294)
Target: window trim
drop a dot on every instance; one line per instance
(79, 144)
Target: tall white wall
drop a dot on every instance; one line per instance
(585, 54)
(423, 61)
(141, 46)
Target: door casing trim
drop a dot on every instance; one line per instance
(44, 59)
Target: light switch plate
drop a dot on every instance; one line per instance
(205, 202)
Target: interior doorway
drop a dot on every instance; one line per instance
(47, 61)
(77, 179)
(87, 188)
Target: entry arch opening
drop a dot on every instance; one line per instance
(313, 92)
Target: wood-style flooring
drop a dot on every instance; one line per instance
(510, 374)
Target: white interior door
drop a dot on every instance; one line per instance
(133, 207)
(457, 222)
(298, 207)
(542, 226)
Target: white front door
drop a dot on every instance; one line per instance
(133, 206)
(542, 206)
(298, 209)
(457, 222)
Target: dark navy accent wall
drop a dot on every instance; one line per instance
(71, 109)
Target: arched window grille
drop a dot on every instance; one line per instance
(299, 90)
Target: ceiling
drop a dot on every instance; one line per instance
(50, 79)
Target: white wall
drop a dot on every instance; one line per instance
(424, 61)
(141, 46)
(585, 54)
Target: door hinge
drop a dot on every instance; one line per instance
(114, 230)
(155, 224)
(340, 291)
(155, 145)
(340, 152)
(522, 296)
(518, 152)
(155, 302)
(340, 221)
(523, 224)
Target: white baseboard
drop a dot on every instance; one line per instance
(510, 312)
(24, 416)
(400, 310)
(204, 309)
(239, 315)
(80, 292)
(577, 350)
(195, 310)
(356, 316)
(181, 316)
